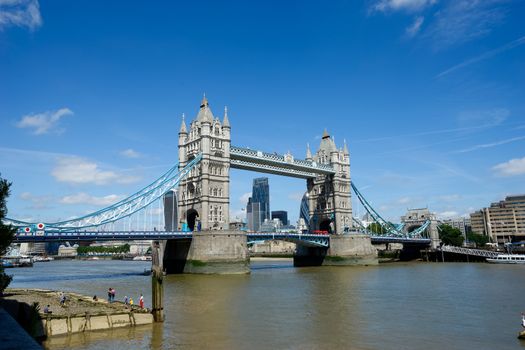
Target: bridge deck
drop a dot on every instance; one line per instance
(252, 237)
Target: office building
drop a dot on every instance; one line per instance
(258, 208)
(170, 211)
(281, 215)
(503, 221)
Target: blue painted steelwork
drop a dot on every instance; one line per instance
(386, 239)
(392, 230)
(248, 159)
(308, 239)
(72, 236)
(400, 226)
(122, 209)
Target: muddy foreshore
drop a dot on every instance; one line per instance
(79, 313)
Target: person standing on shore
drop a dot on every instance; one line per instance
(141, 302)
(131, 301)
(109, 295)
(113, 293)
(126, 301)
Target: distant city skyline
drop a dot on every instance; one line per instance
(429, 96)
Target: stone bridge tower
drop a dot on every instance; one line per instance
(329, 196)
(204, 195)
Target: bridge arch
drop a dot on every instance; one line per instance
(191, 219)
(326, 225)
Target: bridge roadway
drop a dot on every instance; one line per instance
(308, 239)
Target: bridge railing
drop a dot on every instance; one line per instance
(469, 251)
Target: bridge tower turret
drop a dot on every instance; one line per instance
(329, 195)
(183, 134)
(204, 194)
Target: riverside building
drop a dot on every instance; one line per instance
(503, 221)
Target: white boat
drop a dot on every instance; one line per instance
(508, 259)
(38, 258)
(142, 258)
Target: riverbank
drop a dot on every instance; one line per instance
(79, 313)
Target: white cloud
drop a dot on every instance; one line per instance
(511, 168)
(486, 118)
(20, 13)
(448, 214)
(407, 5)
(244, 198)
(490, 145)
(449, 197)
(42, 123)
(404, 200)
(77, 170)
(483, 56)
(84, 198)
(130, 153)
(415, 27)
(37, 201)
(296, 196)
(464, 20)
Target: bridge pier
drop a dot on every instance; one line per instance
(209, 252)
(344, 250)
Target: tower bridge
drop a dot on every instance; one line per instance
(199, 239)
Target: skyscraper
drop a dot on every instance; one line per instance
(281, 215)
(258, 208)
(170, 211)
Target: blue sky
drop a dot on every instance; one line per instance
(429, 94)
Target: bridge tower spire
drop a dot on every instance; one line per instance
(308, 152)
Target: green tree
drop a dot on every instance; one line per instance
(6, 232)
(479, 240)
(376, 228)
(450, 235)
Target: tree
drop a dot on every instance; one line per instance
(450, 235)
(376, 228)
(479, 240)
(6, 232)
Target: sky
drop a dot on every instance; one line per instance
(428, 94)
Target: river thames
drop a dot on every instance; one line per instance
(392, 306)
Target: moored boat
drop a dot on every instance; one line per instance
(142, 258)
(507, 259)
(39, 258)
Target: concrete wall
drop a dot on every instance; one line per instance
(273, 248)
(51, 325)
(60, 325)
(209, 252)
(345, 250)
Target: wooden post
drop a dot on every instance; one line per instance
(157, 276)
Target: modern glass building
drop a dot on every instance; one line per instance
(170, 211)
(258, 208)
(304, 210)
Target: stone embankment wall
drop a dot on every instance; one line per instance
(79, 314)
(58, 325)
